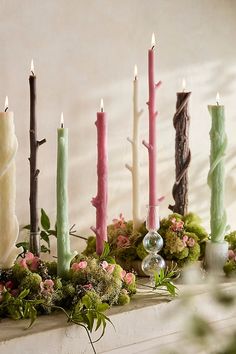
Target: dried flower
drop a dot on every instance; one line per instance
(120, 222)
(122, 241)
(191, 242)
(79, 266)
(46, 286)
(177, 225)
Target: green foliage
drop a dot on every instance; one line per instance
(164, 279)
(231, 239)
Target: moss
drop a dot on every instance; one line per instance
(183, 254)
(32, 282)
(52, 268)
(230, 268)
(231, 238)
(123, 298)
(194, 253)
(141, 252)
(19, 272)
(191, 218)
(68, 290)
(57, 283)
(198, 230)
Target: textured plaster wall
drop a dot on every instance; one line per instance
(86, 49)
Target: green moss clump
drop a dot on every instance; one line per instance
(52, 268)
(32, 282)
(141, 252)
(123, 298)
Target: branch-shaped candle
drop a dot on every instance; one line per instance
(100, 201)
(134, 169)
(151, 145)
(34, 171)
(64, 255)
(9, 227)
(181, 122)
(216, 172)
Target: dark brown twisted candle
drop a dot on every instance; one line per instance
(181, 122)
(34, 171)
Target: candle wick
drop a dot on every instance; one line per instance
(6, 109)
(62, 125)
(102, 110)
(153, 47)
(32, 73)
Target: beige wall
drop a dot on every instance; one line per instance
(86, 49)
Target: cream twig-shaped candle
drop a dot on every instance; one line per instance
(151, 145)
(216, 173)
(181, 122)
(9, 228)
(64, 255)
(100, 201)
(135, 168)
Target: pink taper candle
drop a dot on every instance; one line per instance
(100, 201)
(151, 146)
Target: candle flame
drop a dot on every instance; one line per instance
(153, 40)
(217, 98)
(102, 105)
(32, 66)
(184, 85)
(62, 120)
(135, 71)
(6, 103)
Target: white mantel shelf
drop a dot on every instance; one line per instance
(147, 325)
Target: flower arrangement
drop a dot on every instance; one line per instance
(184, 240)
(32, 287)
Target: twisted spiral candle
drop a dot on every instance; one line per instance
(9, 227)
(181, 122)
(216, 173)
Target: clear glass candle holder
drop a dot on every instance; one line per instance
(153, 243)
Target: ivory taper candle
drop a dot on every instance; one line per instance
(216, 174)
(64, 255)
(100, 201)
(135, 168)
(9, 228)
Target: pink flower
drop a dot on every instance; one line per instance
(46, 286)
(79, 266)
(88, 287)
(110, 268)
(30, 261)
(129, 278)
(120, 222)
(231, 254)
(177, 225)
(2, 287)
(123, 274)
(104, 264)
(191, 242)
(122, 241)
(9, 285)
(184, 240)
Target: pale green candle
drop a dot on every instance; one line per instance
(216, 173)
(64, 255)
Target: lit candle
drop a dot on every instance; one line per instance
(9, 228)
(181, 123)
(100, 201)
(151, 145)
(64, 255)
(135, 168)
(34, 171)
(216, 174)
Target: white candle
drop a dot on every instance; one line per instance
(135, 168)
(9, 227)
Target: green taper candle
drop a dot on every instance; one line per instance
(64, 255)
(216, 173)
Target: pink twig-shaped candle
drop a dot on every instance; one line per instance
(100, 201)
(151, 145)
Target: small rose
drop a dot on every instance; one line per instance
(104, 264)
(9, 285)
(184, 240)
(123, 274)
(46, 286)
(231, 254)
(120, 222)
(110, 268)
(122, 241)
(177, 225)
(79, 266)
(129, 278)
(88, 287)
(191, 242)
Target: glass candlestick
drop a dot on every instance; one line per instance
(153, 243)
